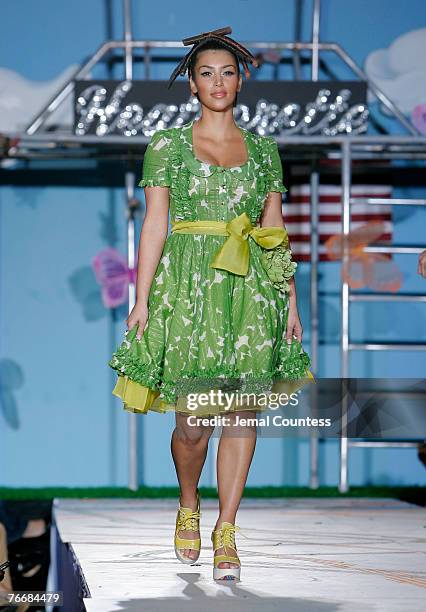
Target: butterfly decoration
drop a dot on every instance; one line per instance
(114, 276)
(373, 270)
(418, 117)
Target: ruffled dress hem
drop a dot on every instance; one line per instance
(141, 399)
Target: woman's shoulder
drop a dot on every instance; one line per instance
(170, 138)
(161, 134)
(170, 131)
(265, 146)
(262, 140)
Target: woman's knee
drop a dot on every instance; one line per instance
(190, 435)
(240, 423)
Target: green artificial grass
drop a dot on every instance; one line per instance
(412, 494)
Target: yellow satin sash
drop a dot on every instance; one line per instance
(234, 254)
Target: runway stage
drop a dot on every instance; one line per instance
(300, 554)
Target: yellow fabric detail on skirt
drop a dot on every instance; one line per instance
(140, 399)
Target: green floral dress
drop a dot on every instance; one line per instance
(209, 328)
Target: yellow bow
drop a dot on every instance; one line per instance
(234, 254)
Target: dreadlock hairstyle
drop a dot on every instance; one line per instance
(215, 39)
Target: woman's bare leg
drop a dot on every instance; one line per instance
(189, 445)
(236, 449)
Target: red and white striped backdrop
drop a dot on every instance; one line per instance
(297, 211)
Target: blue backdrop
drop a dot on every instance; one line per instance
(59, 423)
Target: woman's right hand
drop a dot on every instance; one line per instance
(139, 317)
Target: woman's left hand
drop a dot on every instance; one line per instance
(294, 326)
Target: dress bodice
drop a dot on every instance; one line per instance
(201, 191)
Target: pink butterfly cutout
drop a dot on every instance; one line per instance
(114, 276)
(418, 117)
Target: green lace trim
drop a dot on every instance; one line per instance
(293, 361)
(181, 180)
(292, 364)
(125, 361)
(226, 378)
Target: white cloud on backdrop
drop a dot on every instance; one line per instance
(400, 71)
(21, 99)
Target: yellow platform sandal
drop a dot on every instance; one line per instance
(188, 520)
(224, 537)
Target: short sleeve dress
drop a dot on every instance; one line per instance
(208, 328)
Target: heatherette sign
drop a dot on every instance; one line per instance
(134, 108)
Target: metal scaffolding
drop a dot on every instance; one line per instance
(36, 144)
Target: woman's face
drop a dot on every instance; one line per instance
(216, 73)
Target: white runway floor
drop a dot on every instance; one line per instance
(300, 554)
